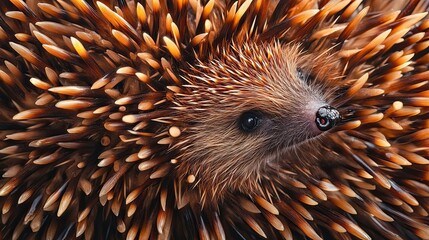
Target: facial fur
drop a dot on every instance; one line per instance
(280, 86)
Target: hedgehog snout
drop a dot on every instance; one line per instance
(320, 116)
(327, 117)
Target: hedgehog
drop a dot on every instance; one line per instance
(214, 119)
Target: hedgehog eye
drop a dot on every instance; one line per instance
(301, 75)
(249, 121)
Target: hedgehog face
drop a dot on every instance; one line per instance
(254, 105)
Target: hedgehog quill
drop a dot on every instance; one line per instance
(188, 119)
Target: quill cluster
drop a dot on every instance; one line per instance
(189, 119)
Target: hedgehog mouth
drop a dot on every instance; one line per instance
(287, 155)
(310, 140)
(295, 146)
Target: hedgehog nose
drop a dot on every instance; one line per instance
(327, 117)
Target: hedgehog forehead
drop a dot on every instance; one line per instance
(243, 65)
(264, 76)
